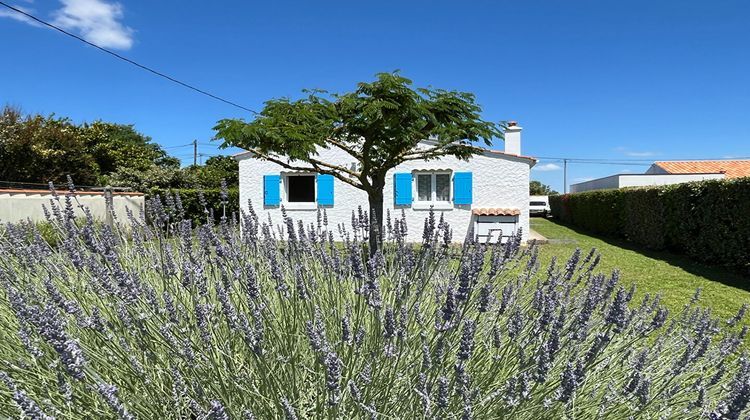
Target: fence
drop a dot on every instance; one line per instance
(26, 204)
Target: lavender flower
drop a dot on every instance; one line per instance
(333, 377)
(109, 394)
(217, 411)
(467, 340)
(442, 392)
(29, 407)
(289, 412)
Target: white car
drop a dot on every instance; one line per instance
(539, 205)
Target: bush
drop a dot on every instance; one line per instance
(217, 323)
(705, 220)
(193, 207)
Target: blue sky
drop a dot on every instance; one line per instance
(586, 79)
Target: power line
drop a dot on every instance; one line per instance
(116, 55)
(648, 161)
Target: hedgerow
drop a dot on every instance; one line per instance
(199, 205)
(167, 320)
(705, 220)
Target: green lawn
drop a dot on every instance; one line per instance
(675, 276)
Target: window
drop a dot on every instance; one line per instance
(538, 203)
(300, 188)
(434, 187)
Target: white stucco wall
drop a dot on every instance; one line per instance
(498, 181)
(22, 205)
(639, 180)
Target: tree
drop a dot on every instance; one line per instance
(537, 188)
(216, 169)
(38, 149)
(380, 125)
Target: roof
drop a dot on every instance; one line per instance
(731, 168)
(62, 193)
(495, 211)
(487, 152)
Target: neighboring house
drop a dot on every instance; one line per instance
(670, 172)
(486, 194)
(730, 168)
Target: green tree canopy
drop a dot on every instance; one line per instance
(537, 188)
(380, 124)
(38, 149)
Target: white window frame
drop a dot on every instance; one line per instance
(299, 205)
(432, 202)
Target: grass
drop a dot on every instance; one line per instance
(676, 277)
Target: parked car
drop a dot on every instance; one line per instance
(539, 205)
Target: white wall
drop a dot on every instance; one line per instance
(498, 181)
(640, 180)
(22, 205)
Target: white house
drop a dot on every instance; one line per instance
(489, 192)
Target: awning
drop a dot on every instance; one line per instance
(495, 211)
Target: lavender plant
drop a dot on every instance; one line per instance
(254, 319)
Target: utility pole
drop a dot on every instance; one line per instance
(195, 152)
(565, 176)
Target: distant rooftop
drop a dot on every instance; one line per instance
(731, 168)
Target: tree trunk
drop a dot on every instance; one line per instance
(375, 198)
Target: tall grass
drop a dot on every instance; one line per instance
(165, 320)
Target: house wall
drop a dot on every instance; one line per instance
(640, 180)
(22, 205)
(498, 181)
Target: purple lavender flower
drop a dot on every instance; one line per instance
(217, 411)
(515, 323)
(333, 366)
(618, 311)
(29, 407)
(570, 379)
(442, 392)
(288, 408)
(109, 394)
(466, 349)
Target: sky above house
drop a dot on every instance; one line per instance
(623, 81)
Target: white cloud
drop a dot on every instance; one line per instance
(12, 14)
(546, 167)
(97, 21)
(640, 154)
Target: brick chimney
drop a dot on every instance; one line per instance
(513, 138)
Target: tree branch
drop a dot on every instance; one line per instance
(437, 151)
(316, 167)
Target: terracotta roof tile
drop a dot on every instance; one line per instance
(732, 168)
(62, 193)
(495, 211)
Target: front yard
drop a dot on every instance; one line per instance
(675, 276)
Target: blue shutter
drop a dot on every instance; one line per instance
(402, 189)
(325, 190)
(271, 185)
(462, 188)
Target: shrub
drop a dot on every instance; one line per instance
(198, 205)
(215, 322)
(704, 220)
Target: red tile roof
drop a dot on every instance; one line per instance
(62, 192)
(495, 211)
(732, 168)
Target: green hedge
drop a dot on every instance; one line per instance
(192, 205)
(709, 221)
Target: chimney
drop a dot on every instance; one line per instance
(513, 138)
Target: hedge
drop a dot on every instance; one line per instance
(192, 206)
(709, 221)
